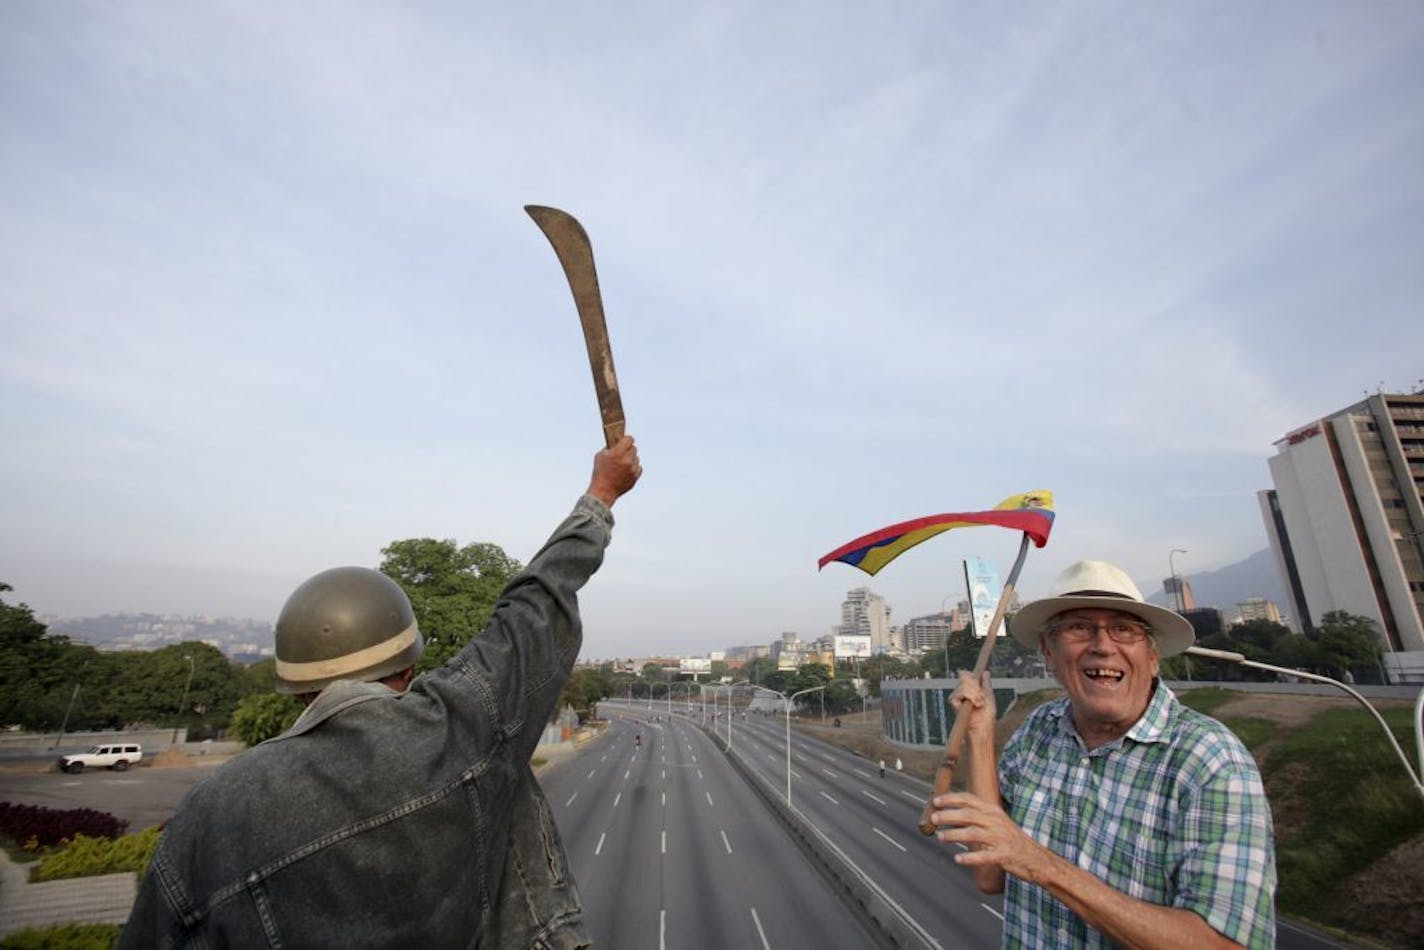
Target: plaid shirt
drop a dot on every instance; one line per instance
(1172, 813)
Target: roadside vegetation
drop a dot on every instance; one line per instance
(63, 937)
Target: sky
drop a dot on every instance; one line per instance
(269, 301)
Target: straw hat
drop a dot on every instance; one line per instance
(1090, 584)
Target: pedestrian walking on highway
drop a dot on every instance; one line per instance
(1115, 815)
(399, 809)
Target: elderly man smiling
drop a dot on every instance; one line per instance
(1116, 816)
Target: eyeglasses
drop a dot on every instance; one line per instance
(1120, 630)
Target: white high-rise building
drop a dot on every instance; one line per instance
(865, 613)
(1346, 521)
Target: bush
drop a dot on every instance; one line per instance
(34, 826)
(63, 937)
(85, 856)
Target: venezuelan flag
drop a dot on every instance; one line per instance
(1030, 512)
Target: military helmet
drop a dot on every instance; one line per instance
(349, 623)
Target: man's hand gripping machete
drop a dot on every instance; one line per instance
(571, 244)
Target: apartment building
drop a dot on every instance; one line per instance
(1346, 521)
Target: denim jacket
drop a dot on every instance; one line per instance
(395, 819)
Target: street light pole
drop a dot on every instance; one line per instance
(184, 701)
(789, 703)
(943, 616)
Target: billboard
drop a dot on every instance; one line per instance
(984, 593)
(853, 646)
(694, 665)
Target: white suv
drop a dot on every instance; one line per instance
(116, 757)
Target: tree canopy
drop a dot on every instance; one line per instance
(452, 589)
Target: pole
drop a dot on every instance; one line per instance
(944, 775)
(184, 701)
(65, 723)
(789, 703)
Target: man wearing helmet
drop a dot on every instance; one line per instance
(1115, 815)
(398, 809)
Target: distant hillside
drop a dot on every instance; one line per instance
(241, 639)
(1224, 588)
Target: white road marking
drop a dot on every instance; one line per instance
(726, 843)
(664, 842)
(760, 933)
(992, 911)
(598, 850)
(664, 775)
(591, 771)
(626, 774)
(911, 795)
(709, 799)
(662, 929)
(888, 838)
(617, 798)
(699, 775)
(826, 797)
(830, 773)
(664, 799)
(571, 799)
(874, 798)
(860, 773)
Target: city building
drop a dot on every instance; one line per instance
(865, 613)
(1179, 593)
(1258, 608)
(789, 652)
(922, 634)
(1346, 521)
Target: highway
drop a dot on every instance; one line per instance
(671, 848)
(872, 820)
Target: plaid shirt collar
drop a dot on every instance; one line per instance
(1152, 726)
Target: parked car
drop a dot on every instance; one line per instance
(118, 757)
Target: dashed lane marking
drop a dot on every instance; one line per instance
(888, 838)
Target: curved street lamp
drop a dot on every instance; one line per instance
(1240, 660)
(731, 687)
(789, 703)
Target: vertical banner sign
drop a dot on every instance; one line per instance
(984, 593)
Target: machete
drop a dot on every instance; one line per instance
(572, 247)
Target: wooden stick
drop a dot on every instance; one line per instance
(944, 775)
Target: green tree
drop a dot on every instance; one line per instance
(1349, 644)
(452, 589)
(1257, 639)
(841, 697)
(28, 668)
(259, 717)
(586, 686)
